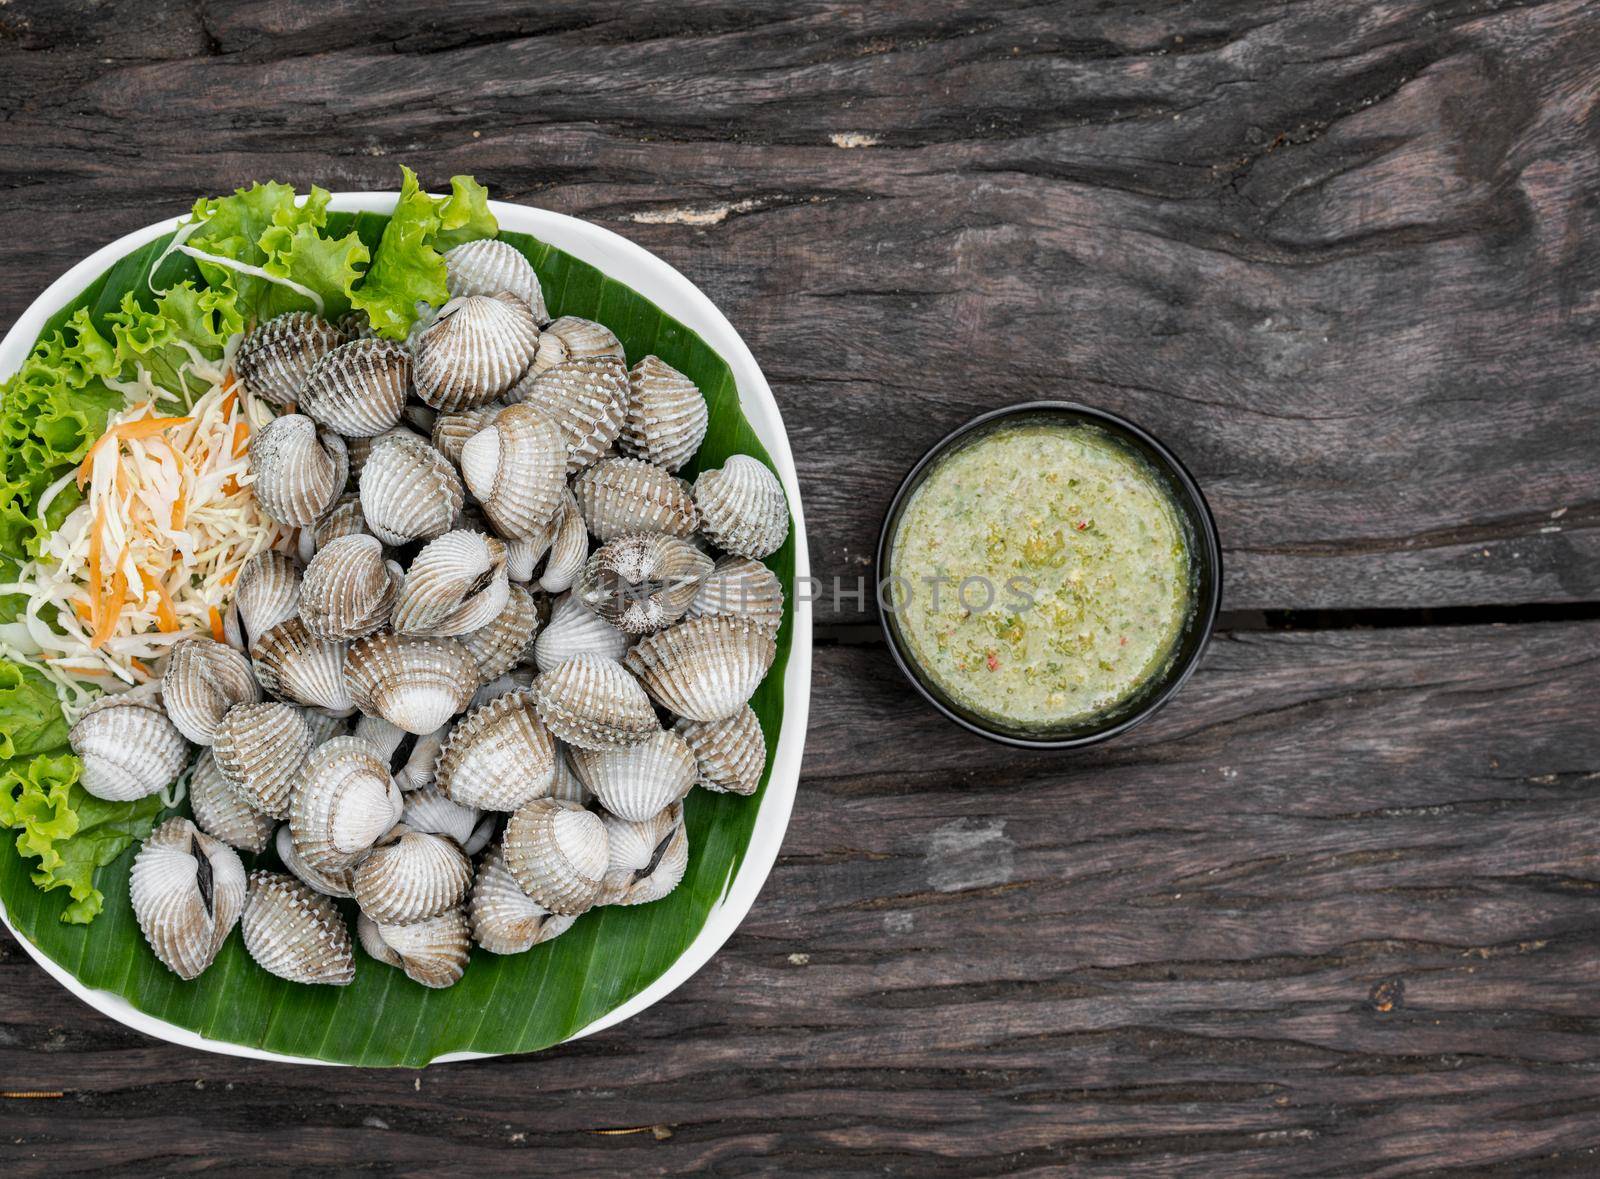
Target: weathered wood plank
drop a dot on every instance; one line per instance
(1341, 255)
(1334, 910)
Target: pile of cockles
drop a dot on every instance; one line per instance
(510, 641)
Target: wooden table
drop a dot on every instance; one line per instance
(1336, 909)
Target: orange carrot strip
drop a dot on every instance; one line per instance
(227, 578)
(216, 625)
(241, 437)
(142, 669)
(108, 620)
(87, 466)
(228, 402)
(148, 427)
(95, 583)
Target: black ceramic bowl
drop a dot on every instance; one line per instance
(1205, 572)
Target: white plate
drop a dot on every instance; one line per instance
(677, 296)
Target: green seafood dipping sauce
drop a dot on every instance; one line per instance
(1041, 575)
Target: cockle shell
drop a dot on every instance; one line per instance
(298, 469)
(266, 592)
(451, 430)
(274, 359)
(332, 882)
(432, 952)
(565, 784)
(642, 582)
(574, 629)
(500, 644)
(359, 389)
(343, 519)
(357, 325)
(325, 726)
(221, 811)
(415, 683)
(569, 548)
(411, 755)
(477, 348)
(705, 668)
(744, 588)
(641, 780)
(343, 803)
(573, 338)
(259, 749)
(359, 450)
(409, 491)
(487, 267)
(295, 664)
(587, 399)
(518, 679)
(621, 495)
(498, 756)
(742, 507)
(730, 754)
(455, 585)
(187, 891)
(349, 589)
(506, 920)
(667, 416)
(430, 810)
(647, 857)
(592, 702)
(296, 934)
(410, 876)
(522, 554)
(203, 679)
(516, 466)
(128, 747)
(556, 852)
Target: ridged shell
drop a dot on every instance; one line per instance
(222, 812)
(359, 389)
(411, 755)
(501, 644)
(487, 267)
(574, 629)
(523, 554)
(129, 748)
(451, 430)
(357, 325)
(730, 754)
(430, 810)
(455, 585)
(296, 934)
(295, 664)
(641, 780)
(274, 359)
(333, 882)
(516, 466)
(569, 548)
(592, 702)
(518, 679)
(411, 876)
(266, 592)
(498, 756)
(477, 348)
(705, 668)
(187, 891)
(622, 495)
(203, 679)
(587, 399)
(325, 726)
(433, 952)
(742, 507)
(642, 582)
(348, 591)
(572, 338)
(667, 415)
(565, 785)
(409, 491)
(260, 749)
(506, 920)
(343, 519)
(359, 450)
(298, 469)
(647, 857)
(557, 853)
(744, 588)
(344, 802)
(417, 684)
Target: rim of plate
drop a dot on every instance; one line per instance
(664, 285)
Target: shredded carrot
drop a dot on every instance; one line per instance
(113, 609)
(230, 486)
(216, 625)
(76, 670)
(147, 427)
(83, 610)
(166, 610)
(241, 437)
(95, 583)
(180, 510)
(227, 578)
(142, 668)
(228, 402)
(85, 467)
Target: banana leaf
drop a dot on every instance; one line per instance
(517, 1003)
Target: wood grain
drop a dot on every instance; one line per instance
(1341, 255)
(1334, 910)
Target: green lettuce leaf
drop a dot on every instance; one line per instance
(30, 718)
(464, 215)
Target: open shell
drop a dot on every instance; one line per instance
(430, 810)
(487, 267)
(451, 430)
(667, 416)
(187, 891)
(641, 780)
(592, 702)
(744, 588)
(506, 920)
(647, 857)
(411, 755)
(359, 389)
(330, 882)
(222, 812)
(705, 668)
(730, 754)
(274, 359)
(259, 749)
(574, 629)
(498, 756)
(128, 747)
(455, 585)
(298, 469)
(432, 952)
(642, 582)
(474, 351)
(502, 643)
(349, 589)
(516, 467)
(573, 338)
(586, 398)
(409, 491)
(743, 507)
(266, 592)
(621, 495)
(410, 876)
(557, 854)
(569, 548)
(565, 784)
(415, 683)
(345, 801)
(295, 933)
(203, 679)
(295, 664)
